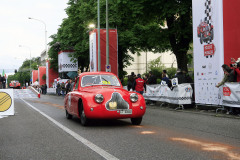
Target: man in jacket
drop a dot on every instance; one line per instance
(139, 84)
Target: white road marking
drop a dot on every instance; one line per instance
(2, 116)
(87, 143)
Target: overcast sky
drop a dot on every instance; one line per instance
(16, 29)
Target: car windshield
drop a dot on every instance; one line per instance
(91, 80)
(15, 81)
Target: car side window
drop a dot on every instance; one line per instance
(76, 85)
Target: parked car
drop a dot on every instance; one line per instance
(205, 32)
(14, 84)
(100, 95)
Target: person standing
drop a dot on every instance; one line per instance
(72, 84)
(68, 86)
(236, 68)
(139, 85)
(4, 82)
(63, 88)
(0, 81)
(130, 81)
(152, 80)
(228, 75)
(58, 88)
(45, 88)
(165, 79)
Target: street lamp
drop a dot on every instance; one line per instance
(91, 26)
(30, 61)
(45, 26)
(99, 46)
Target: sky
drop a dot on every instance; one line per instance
(16, 29)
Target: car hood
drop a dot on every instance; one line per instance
(105, 90)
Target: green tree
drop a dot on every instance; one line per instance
(143, 25)
(23, 74)
(177, 31)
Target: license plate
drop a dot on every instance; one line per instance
(126, 111)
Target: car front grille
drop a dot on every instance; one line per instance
(117, 102)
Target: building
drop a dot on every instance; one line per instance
(140, 63)
(43, 57)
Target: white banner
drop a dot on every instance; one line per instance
(208, 49)
(65, 64)
(180, 94)
(93, 52)
(231, 94)
(6, 102)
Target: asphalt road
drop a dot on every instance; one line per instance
(39, 130)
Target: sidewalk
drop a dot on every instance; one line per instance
(206, 110)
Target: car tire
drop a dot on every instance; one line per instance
(136, 121)
(84, 119)
(69, 116)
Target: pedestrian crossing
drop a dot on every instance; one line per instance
(23, 93)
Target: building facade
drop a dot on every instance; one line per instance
(140, 62)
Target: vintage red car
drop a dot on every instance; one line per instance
(14, 84)
(205, 32)
(100, 95)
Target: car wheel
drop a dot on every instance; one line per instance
(84, 119)
(136, 121)
(69, 116)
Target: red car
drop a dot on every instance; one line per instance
(205, 32)
(100, 95)
(14, 84)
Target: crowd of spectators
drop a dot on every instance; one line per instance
(231, 74)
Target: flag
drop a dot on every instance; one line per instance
(3, 73)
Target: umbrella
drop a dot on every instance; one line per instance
(72, 75)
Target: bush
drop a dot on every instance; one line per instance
(171, 72)
(124, 83)
(44, 77)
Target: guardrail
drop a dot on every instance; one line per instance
(35, 91)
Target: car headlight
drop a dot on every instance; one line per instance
(134, 97)
(99, 98)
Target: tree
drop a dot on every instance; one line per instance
(143, 25)
(178, 32)
(23, 74)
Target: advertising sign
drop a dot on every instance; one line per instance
(113, 51)
(64, 62)
(208, 49)
(6, 102)
(93, 52)
(180, 94)
(231, 94)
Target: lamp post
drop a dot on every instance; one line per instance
(107, 35)
(99, 46)
(30, 61)
(45, 27)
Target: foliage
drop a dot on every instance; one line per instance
(171, 72)
(44, 77)
(23, 74)
(125, 80)
(143, 25)
(156, 67)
